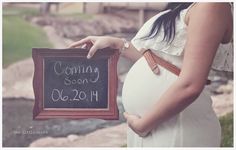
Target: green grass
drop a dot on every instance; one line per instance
(227, 130)
(19, 36)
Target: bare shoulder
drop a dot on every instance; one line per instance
(222, 10)
(217, 14)
(219, 10)
(213, 5)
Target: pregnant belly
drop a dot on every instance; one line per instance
(142, 88)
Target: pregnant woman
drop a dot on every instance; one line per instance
(163, 108)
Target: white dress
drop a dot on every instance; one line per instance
(195, 126)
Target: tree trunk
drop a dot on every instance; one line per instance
(45, 8)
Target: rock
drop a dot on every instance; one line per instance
(41, 22)
(106, 137)
(72, 137)
(223, 100)
(123, 67)
(76, 28)
(49, 142)
(58, 42)
(227, 88)
(122, 77)
(17, 80)
(222, 104)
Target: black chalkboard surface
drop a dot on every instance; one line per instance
(75, 83)
(68, 85)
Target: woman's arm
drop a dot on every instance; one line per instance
(99, 42)
(207, 27)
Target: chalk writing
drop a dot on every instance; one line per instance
(77, 70)
(75, 83)
(79, 95)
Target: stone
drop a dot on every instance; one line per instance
(227, 88)
(107, 137)
(72, 137)
(17, 80)
(41, 22)
(222, 104)
(50, 142)
(101, 24)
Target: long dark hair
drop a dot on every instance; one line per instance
(167, 20)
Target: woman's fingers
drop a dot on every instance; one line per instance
(92, 50)
(92, 43)
(80, 42)
(135, 124)
(88, 45)
(125, 115)
(130, 118)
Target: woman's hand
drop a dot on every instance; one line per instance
(137, 124)
(98, 42)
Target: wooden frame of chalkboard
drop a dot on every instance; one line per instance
(55, 81)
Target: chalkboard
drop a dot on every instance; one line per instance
(68, 85)
(75, 83)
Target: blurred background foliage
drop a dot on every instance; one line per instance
(19, 36)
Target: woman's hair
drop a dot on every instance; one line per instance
(167, 20)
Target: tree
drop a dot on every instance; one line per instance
(44, 8)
